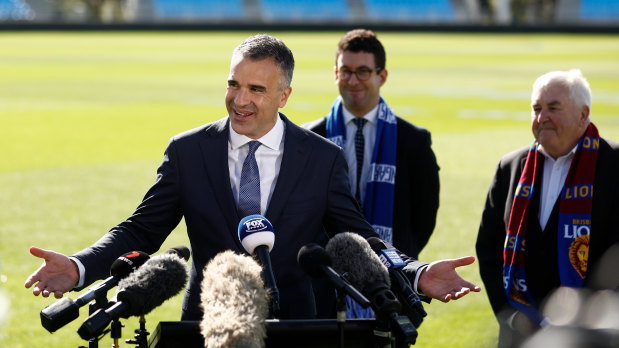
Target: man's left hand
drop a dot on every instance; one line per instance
(441, 281)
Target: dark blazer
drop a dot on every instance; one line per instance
(311, 196)
(541, 254)
(416, 186)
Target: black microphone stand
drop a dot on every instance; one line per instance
(383, 337)
(115, 332)
(141, 335)
(99, 302)
(262, 254)
(392, 329)
(115, 327)
(340, 307)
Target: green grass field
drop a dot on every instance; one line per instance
(85, 117)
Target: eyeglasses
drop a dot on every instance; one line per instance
(363, 74)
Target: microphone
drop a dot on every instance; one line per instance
(235, 302)
(62, 312)
(181, 251)
(316, 262)
(257, 237)
(149, 286)
(353, 257)
(390, 258)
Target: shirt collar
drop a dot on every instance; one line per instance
(371, 116)
(271, 140)
(567, 155)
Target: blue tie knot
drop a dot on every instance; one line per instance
(359, 122)
(253, 146)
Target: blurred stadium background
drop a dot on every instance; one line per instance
(571, 14)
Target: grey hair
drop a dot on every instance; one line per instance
(263, 46)
(580, 92)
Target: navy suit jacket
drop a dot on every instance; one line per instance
(312, 196)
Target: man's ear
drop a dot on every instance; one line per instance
(383, 76)
(584, 112)
(284, 98)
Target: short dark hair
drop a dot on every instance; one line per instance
(262, 46)
(362, 40)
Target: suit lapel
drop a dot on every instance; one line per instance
(215, 152)
(293, 161)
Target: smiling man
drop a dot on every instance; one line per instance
(253, 161)
(552, 208)
(391, 166)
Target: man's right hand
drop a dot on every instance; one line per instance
(57, 275)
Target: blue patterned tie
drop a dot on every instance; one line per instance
(249, 190)
(359, 150)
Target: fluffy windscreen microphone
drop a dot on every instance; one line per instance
(354, 259)
(351, 254)
(62, 312)
(316, 262)
(160, 278)
(235, 302)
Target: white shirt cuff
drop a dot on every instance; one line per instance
(419, 271)
(81, 269)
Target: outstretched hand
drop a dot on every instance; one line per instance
(441, 281)
(57, 275)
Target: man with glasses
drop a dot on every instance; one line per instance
(392, 169)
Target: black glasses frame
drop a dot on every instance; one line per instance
(362, 74)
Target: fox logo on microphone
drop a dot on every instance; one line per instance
(255, 224)
(256, 230)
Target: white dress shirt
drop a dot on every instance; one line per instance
(555, 172)
(268, 156)
(369, 133)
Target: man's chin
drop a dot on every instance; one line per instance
(239, 126)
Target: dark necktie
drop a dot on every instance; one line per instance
(359, 150)
(249, 188)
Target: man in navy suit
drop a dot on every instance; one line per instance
(411, 200)
(304, 192)
(401, 207)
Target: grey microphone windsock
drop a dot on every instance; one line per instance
(157, 280)
(352, 254)
(354, 258)
(235, 302)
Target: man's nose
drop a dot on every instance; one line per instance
(542, 115)
(353, 78)
(242, 97)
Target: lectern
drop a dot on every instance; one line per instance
(358, 333)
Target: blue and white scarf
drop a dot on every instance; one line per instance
(380, 188)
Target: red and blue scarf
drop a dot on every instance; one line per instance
(574, 226)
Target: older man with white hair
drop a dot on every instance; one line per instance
(552, 209)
